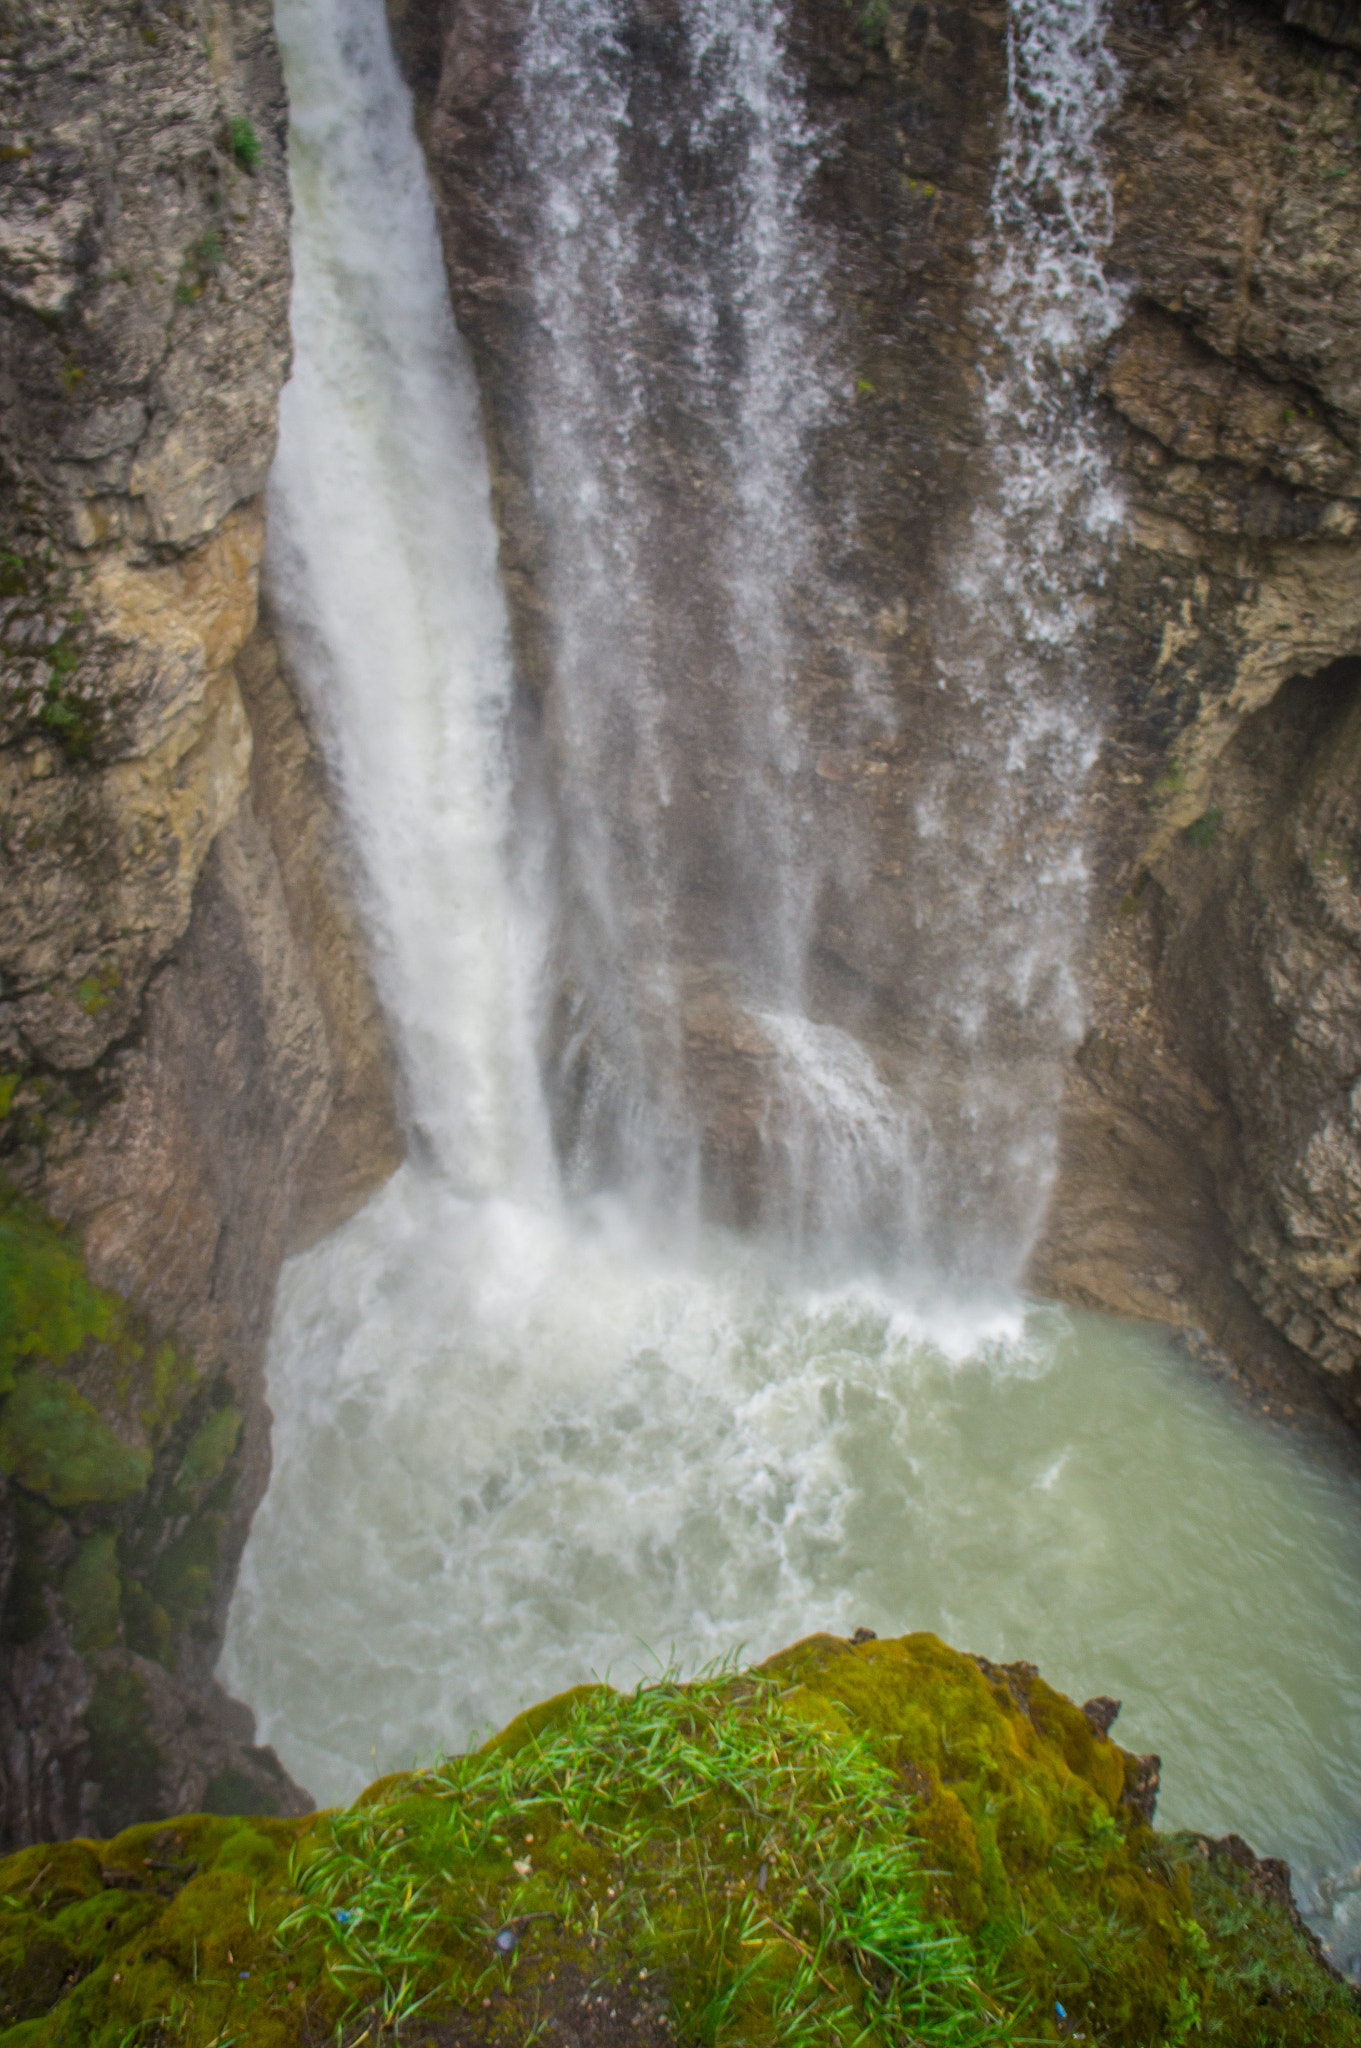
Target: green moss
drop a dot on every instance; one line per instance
(48, 1306)
(58, 1445)
(1204, 830)
(172, 1375)
(1260, 1976)
(8, 1084)
(181, 1579)
(146, 1625)
(52, 1438)
(91, 1591)
(39, 1537)
(124, 1760)
(97, 990)
(209, 1449)
(882, 1844)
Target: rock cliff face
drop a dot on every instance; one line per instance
(1212, 1168)
(1211, 1155)
(194, 1073)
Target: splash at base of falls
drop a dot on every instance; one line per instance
(510, 1453)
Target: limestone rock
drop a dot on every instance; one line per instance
(1210, 1151)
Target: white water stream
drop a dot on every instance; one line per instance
(522, 1433)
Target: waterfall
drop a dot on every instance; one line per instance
(685, 366)
(681, 374)
(533, 1419)
(382, 581)
(1000, 801)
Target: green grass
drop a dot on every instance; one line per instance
(762, 1863)
(245, 143)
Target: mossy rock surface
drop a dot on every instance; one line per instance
(49, 1307)
(885, 1842)
(58, 1445)
(121, 1451)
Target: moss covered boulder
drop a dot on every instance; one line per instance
(880, 1842)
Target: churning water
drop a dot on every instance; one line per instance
(508, 1455)
(532, 1423)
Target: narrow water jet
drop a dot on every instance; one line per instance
(542, 1408)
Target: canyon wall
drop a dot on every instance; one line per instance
(193, 1074)
(1211, 1170)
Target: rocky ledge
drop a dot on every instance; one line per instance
(872, 1841)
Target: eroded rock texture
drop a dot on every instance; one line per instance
(1211, 1170)
(192, 1068)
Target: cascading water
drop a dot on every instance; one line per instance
(1000, 810)
(680, 375)
(523, 1432)
(382, 569)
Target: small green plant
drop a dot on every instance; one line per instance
(872, 20)
(1335, 861)
(1204, 830)
(200, 262)
(69, 716)
(245, 143)
(96, 991)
